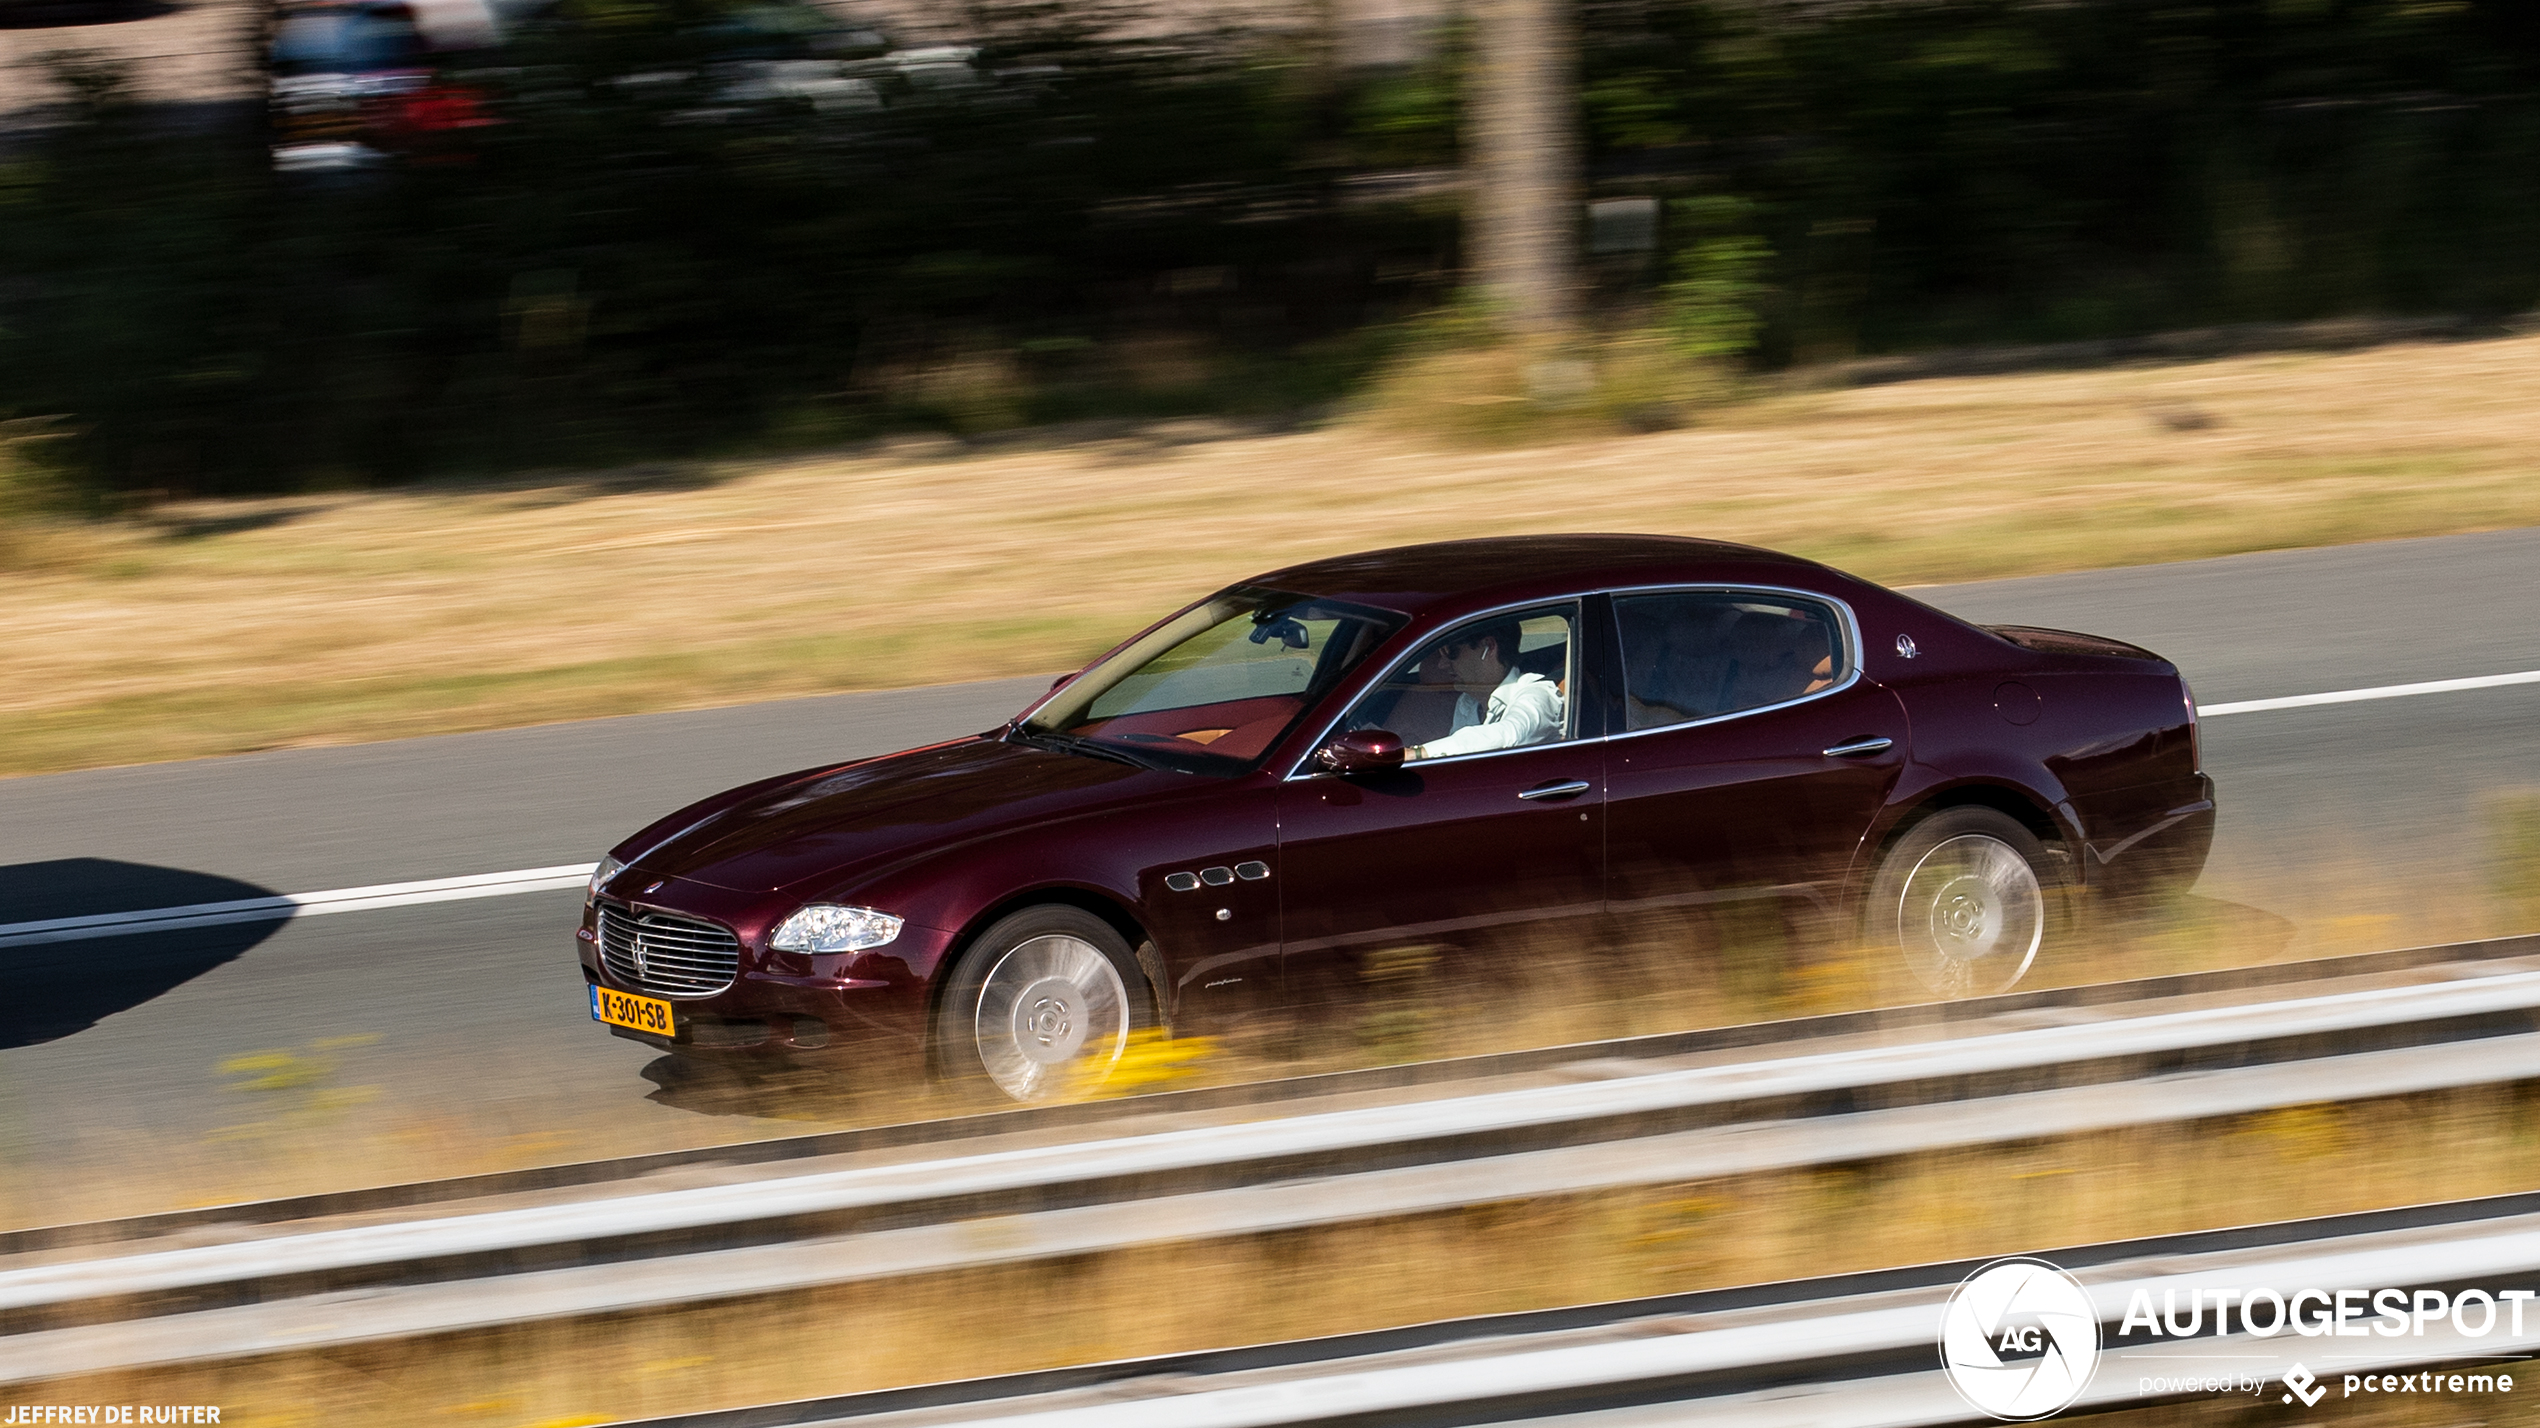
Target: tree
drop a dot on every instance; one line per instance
(1524, 204)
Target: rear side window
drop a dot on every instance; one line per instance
(1698, 654)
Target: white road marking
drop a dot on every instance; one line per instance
(296, 905)
(2357, 696)
(529, 880)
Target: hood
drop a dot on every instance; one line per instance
(830, 821)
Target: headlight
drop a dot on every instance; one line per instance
(608, 868)
(826, 927)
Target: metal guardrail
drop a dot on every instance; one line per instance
(1857, 1349)
(1593, 1123)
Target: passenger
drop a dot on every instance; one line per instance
(1816, 655)
(1773, 658)
(1497, 706)
(1660, 667)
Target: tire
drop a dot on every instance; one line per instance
(1967, 897)
(1041, 1004)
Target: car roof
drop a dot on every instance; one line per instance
(1414, 578)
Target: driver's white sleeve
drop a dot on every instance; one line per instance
(1527, 711)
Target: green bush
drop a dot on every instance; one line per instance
(1713, 305)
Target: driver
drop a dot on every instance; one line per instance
(1497, 706)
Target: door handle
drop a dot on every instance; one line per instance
(1567, 788)
(1859, 748)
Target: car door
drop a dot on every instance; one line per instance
(1453, 854)
(1211, 903)
(1749, 758)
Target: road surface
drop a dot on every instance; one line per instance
(2355, 824)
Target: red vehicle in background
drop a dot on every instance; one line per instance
(356, 83)
(1515, 743)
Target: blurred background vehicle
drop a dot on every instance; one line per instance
(353, 83)
(780, 52)
(767, 58)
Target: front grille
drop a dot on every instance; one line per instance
(679, 956)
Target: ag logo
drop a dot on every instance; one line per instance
(2019, 1339)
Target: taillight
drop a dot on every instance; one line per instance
(2195, 735)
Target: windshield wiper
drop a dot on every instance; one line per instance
(1057, 742)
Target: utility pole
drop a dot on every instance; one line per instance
(1525, 200)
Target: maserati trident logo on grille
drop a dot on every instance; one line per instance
(643, 968)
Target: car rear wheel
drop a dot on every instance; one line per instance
(1042, 1004)
(1967, 896)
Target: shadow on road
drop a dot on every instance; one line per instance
(59, 989)
(2197, 931)
(877, 1087)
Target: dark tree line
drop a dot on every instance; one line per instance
(1103, 225)
(2007, 169)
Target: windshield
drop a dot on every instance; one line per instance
(1211, 690)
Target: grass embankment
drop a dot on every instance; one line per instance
(216, 628)
(342, 1112)
(2015, 1197)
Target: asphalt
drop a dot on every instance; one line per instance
(2350, 825)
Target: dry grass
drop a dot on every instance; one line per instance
(207, 629)
(344, 1112)
(2515, 861)
(2023, 1196)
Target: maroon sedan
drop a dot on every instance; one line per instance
(1499, 741)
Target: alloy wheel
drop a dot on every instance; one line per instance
(1971, 916)
(1052, 1009)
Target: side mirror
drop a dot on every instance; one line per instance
(1360, 750)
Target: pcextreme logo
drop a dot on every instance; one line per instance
(2019, 1340)
(2301, 1383)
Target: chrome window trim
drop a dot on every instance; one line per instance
(1851, 631)
(1303, 768)
(1832, 689)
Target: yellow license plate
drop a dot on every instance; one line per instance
(633, 1012)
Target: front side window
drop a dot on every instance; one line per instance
(1211, 690)
(1698, 654)
(1499, 682)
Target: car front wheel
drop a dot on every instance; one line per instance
(1042, 1004)
(1967, 897)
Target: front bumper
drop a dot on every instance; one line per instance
(778, 1001)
